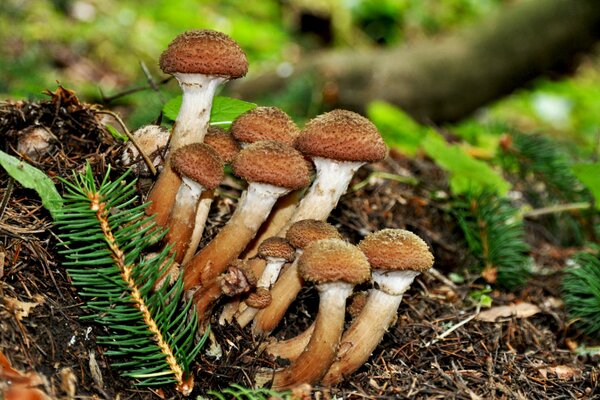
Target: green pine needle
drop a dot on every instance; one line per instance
(239, 392)
(581, 292)
(106, 235)
(495, 235)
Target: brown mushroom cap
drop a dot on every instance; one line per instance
(304, 232)
(273, 163)
(276, 247)
(333, 260)
(223, 143)
(200, 163)
(396, 249)
(341, 135)
(261, 298)
(264, 123)
(204, 52)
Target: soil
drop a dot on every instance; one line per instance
(435, 349)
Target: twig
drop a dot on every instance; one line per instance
(384, 175)
(7, 194)
(556, 209)
(454, 327)
(440, 277)
(151, 82)
(107, 100)
(130, 136)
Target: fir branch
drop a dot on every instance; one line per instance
(581, 292)
(494, 234)
(106, 236)
(239, 392)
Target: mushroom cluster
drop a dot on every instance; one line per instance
(277, 241)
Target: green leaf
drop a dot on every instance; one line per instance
(224, 109)
(32, 178)
(589, 175)
(466, 173)
(116, 134)
(397, 128)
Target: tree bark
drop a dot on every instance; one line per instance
(446, 79)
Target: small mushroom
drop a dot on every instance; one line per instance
(287, 287)
(200, 61)
(227, 148)
(272, 169)
(276, 251)
(237, 279)
(396, 257)
(335, 266)
(201, 169)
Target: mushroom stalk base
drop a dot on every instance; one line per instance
(312, 364)
(368, 328)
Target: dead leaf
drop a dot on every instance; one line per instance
(562, 372)
(521, 310)
(16, 385)
(21, 309)
(68, 382)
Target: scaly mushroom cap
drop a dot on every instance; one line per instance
(341, 135)
(396, 250)
(264, 123)
(304, 232)
(276, 247)
(259, 299)
(333, 260)
(223, 142)
(200, 163)
(273, 163)
(204, 52)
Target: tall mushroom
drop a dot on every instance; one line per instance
(227, 148)
(335, 267)
(271, 169)
(201, 169)
(200, 61)
(396, 257)
(287, 287)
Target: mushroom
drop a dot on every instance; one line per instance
(272, 169)
(396, 257)
(338, 142)
(201, 169)
(200, 61)
(276, 251)
(227, 148)
(151, 139)
(335, 266)
(287, 287)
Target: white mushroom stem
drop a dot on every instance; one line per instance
(283, 293)
(331, 182)
(367, 330)
(266, 280)
(202, 211)
(180, 221)
(315, 360)
(196, 103)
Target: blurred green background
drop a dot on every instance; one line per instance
(96, 47)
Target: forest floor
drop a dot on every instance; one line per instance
(443, 344)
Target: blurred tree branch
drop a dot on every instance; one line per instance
(446, 79)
